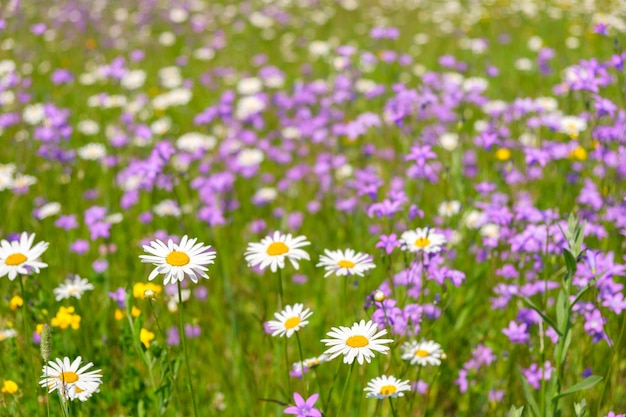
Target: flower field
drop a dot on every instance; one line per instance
(385, 208)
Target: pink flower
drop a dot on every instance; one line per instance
(304, 408)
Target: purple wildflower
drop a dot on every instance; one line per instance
(304, 408)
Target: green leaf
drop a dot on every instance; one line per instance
(585, 384)
(570, 263)
(543, 315)
(528, 394)
(561, 310)
(580, 408)
(516, 412)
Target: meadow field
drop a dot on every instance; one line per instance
(372, 208)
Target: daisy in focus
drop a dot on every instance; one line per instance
(290, 320)
(422, 353)
(70, 379)
(386, 387)
(422, 239)
(176, 261)
(20, 257)
(345, 263)
(72, 287)
(272, 251)
(359, 341)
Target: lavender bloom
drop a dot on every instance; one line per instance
(173, 337)
(534, 374)
(517, 333)
(388, 243)
(119, 296)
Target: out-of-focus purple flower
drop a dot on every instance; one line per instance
(173, 337)
(200, 293)
(67, 222)
(388, 243)
(517, 333)
(534, 375)
(79, 246)
(100, 265)
(601, 28)
(119, 296)
(192, 331)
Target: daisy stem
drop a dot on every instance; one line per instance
(280, 289)
(301, 362)
(287, 367)
(345, 389)
(27, 332)
(182, 338)
(393, 410)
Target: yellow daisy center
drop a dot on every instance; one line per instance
(421, 353)
(422, 242)
(277, 248)
(15, 259)
(388, 390)
(357, 341)
(344, 263)
(176, 258)
(68, 377)
(292, 322)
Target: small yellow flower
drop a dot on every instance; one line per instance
(16, 302)
(119, 315)
(135, 312)
(66, 318)
(578, 153)
(9, 387)
(39, 328)
(503, 154)
(146, 336)
(140, 288)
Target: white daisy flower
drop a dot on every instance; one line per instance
(19, 257)
(273, 250)
(301, 367)
(422, 239)
(385, 386)
(178, 260)
(449, 208)
(290, 320)
(72, 287)
(70, 380)
(358, 341)
(345, 263)
(7, 334)
(422, 353)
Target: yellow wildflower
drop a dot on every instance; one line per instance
(146, 336)
(140, 288)
(65, 318)
(9, 387)
(16, 302)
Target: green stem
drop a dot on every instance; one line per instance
(302, 362)
(181, 331)
(616, 345)
(345, 389)
(280, 289)
(287, 368)
(27, 334)
(393, 410)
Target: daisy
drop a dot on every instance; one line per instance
(290, 320)
(72, 287)
(18, 257)
(178, 260)
(422, 239)
(273, 250)
(357, 342)
(385, 387)
(71, 380)
(422, 353)
(345, 263)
